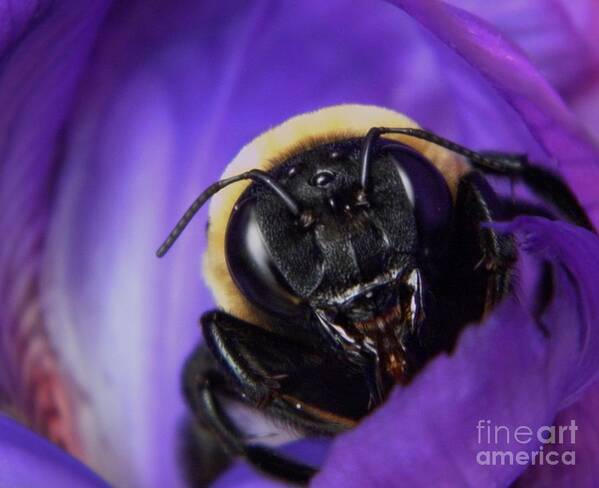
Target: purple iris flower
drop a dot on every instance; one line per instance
(114, 115)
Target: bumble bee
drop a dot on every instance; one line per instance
(346, 248)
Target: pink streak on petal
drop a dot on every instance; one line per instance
(44, 46)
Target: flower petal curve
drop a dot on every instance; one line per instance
(510, 72)
(242, 475)
(560, 38)
(29, 461)
(585, 446)
(43, 50)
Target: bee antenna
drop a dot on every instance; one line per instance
(477, 159)
(256, 175)
(372, 135)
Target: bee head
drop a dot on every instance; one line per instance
(349, 238)
(333, 215)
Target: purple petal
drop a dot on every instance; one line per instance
(43, 47)
(172, 91)
(505, 371)
(586, 447)
(243, 476)
(512, 75)
(27, 460)
(560, 38)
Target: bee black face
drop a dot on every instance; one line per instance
(358, 255)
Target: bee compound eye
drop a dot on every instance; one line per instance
(427, 191)
(252, 267)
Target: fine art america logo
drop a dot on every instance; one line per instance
(501, 445)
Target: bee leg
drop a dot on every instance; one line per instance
(512, 208)
(224, 335)
(544, 183)
(281, 377)
(201, 452)
(475, 206)
(274, 373)
(494, 254)
(476, 272)
(203, 385)
(201, 455)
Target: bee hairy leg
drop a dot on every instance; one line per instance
(480, 209)
(275, 373)
(200, 454)
(230, 340)
(295, 387)
(204, 387)
(203, 456)
(486, 255)
(514, 207)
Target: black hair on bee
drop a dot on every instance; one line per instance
(347, 247)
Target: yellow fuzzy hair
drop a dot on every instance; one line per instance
(278, 144)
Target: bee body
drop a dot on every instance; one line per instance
(346, 248)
